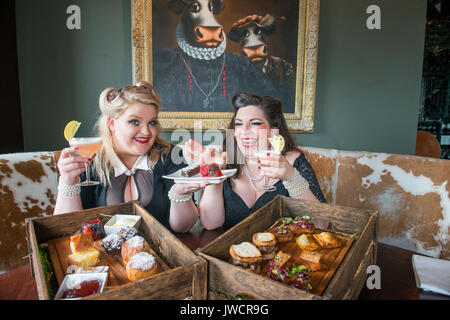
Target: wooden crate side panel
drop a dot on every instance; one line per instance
(172, 284)
(345, 219)
(360, 277)
(215, 296)
(200, 280)
(36, 262)
(243, 231)
(343, 278)
(179, 283)
(234, 281)
(165, 243)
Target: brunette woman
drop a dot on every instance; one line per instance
(255, 119)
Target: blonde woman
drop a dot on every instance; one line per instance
(130, 164)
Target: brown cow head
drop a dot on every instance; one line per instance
(250, 31)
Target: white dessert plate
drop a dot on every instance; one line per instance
(227, 173)
(74, 280)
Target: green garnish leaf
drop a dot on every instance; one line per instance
(286, 220)
(297, 269)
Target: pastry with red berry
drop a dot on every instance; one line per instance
(95, 228)
(210, 170)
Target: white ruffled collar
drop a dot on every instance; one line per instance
(141, 163)
(197, 52)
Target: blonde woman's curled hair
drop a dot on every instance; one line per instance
(112, 103)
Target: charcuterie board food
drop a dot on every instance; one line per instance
(292, 249)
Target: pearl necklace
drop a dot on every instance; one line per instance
(206, 101)
(247, 173)
(251, 179)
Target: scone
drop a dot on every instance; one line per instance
(307, 242)
(327, 240)
(133, 246)
(142, 265)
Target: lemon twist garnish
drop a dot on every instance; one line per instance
(277, 142)
(70, 129)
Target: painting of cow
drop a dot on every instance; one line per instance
(199, 53)
(251, 32)
(199, 74)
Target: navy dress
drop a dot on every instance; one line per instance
(236, 209)
(178, 89)
(159, 205)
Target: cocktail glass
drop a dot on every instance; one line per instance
(87, 147)
(262, 154)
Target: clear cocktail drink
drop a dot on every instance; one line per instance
(262, 154)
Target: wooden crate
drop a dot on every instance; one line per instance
(347, 280)
(183, 274)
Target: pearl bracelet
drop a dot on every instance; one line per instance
(173, 196)
(69, 190)
(297, 185)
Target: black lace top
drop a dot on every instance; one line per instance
(236, 209)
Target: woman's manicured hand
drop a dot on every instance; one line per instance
(204, 156)
(276, 166)
(71, 166)
(186, 188)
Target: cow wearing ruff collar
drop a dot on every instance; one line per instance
(199, 74)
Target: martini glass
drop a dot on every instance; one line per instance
(261, 154)
(87, 147)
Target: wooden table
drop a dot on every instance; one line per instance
(397, 276)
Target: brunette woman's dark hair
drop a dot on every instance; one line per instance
(272, 110)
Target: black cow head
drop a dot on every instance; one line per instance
(199, 24)
(251, 31)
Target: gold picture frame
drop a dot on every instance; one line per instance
(302, 117)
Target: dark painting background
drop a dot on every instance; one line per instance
(282, 43)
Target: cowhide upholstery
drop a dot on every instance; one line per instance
(411, 194)
(28, 187)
